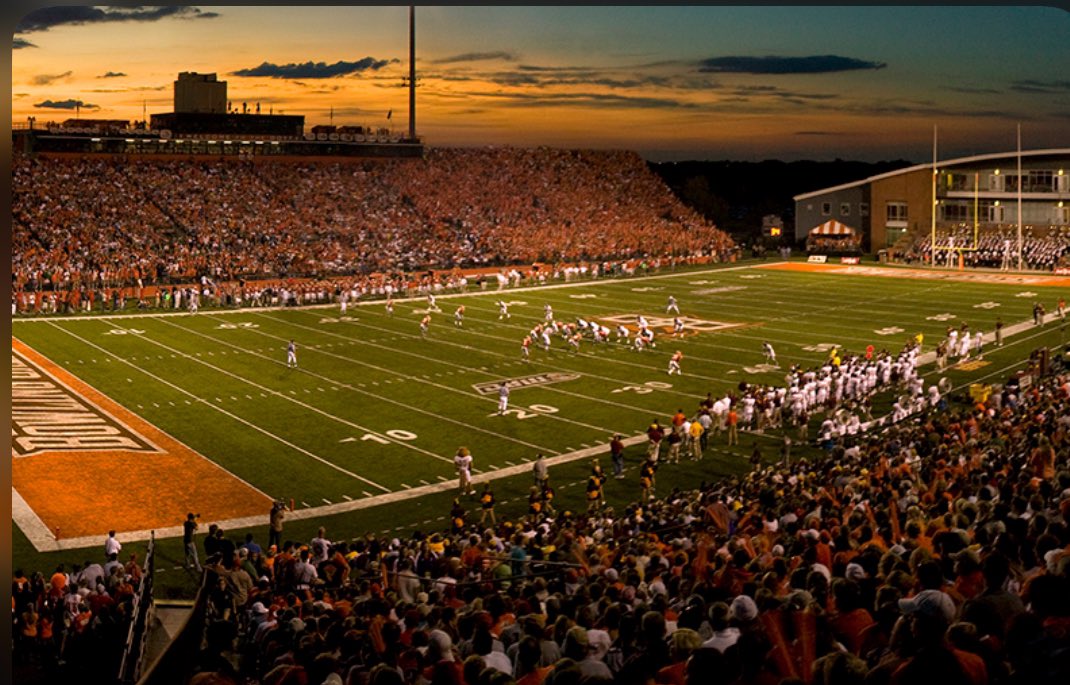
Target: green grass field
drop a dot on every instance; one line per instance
(375, 409)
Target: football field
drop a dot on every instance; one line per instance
(130, 421)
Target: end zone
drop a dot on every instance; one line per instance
(82, 464)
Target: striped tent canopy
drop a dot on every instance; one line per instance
(832, 228)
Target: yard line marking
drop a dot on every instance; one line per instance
(442, 478)
(406, 486)
(305, 505)
(382, 398)
(348, 499)
(367, 494)
(555, 417)
(325, 500)
(424, 482)
(227, 413)
(509, 462)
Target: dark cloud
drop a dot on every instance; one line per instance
(45, 79)
(111, 74)
(817, 64)
(134, 89)
(47, 17)
(1041, 87)
(20, 43)
(600, 100)
(476, 57)
(315, 69)
(65, 104)
(973, 91)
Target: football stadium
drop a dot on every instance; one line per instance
(346, 406)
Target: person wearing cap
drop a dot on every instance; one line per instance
(930, 613)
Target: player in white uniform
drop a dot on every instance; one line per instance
(677, 326)
(343, 302)
(432, 306)
(641, 320)
(672, 306)
(978, 343)
(291, 355)
(549, 313)
(546, 339)
(770, 353)
(674, 363)
(503, 310)
(425, 325)
(458, 317)
(622, 333)
(503, 398)
(389, 306)
(964, 346)
(463, 462)
(648, 337)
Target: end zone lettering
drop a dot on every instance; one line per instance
(47, 416)
(491, 388)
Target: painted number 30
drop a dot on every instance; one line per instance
(645, 388)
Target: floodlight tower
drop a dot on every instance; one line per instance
(412, 73)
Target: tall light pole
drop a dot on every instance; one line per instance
(412, 73)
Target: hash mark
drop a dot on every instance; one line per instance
(424, 482)
(348, 499)
(406, 486)
(305, 504)
(367, 494)
(325, 500)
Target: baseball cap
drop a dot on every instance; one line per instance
(931, 603)
(743, 608)
(259, 608)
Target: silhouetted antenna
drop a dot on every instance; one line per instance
(412, 72)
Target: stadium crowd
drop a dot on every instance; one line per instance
(996, 249)
(935, 551)
(92, 222)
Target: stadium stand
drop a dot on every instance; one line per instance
(1041, 250)
(936, 548)
(98, 221)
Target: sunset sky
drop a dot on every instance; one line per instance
(709, 82)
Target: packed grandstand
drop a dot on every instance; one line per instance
(934, 550)
(106, 221)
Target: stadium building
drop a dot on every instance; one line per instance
(889, 211)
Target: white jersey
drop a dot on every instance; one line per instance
(463, 462)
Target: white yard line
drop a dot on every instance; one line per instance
(340, 507)
(229, 414)
(381, 398)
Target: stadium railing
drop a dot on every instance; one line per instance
(175, 665)
(141, 619)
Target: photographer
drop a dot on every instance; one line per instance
(278, 513)
(189, 527)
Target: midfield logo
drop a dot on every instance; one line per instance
(491, 387)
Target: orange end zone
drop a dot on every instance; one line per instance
(1000, 278)
(84, 492)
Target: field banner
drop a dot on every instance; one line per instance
(849, 260)
(1062, 271)
(817, 259)
(82, 464)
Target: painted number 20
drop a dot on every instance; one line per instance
(645, 388)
